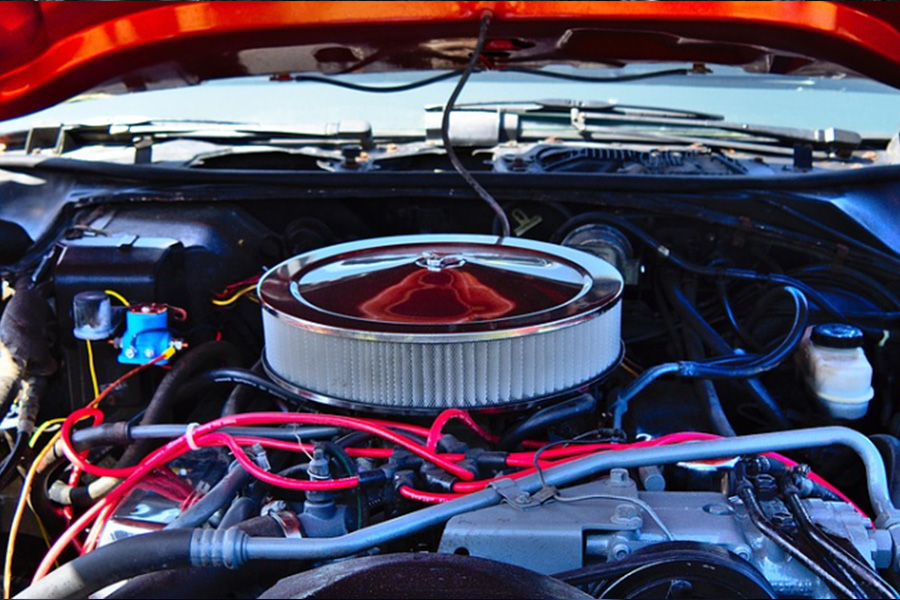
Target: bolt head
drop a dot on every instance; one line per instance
(619, 477)
(626, 511)
(619, 551)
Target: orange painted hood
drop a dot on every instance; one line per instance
(50, 51)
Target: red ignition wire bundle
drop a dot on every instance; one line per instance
(209, 435)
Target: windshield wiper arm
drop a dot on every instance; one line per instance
(65, 138)
(557, 107)
(591, 116)
(841, 141)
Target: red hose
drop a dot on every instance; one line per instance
(376, 453)
(434, 434)
(427, 497)
(222, 439)
(414, 429)
(65, 436)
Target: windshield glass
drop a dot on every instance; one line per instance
(867, 107)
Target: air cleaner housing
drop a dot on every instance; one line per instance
(418, 324)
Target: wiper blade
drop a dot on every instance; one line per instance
(65, 138)
(593, 116)
(841, 141)
(556, 106)
(358, 130)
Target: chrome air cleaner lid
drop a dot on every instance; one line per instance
(431, 322)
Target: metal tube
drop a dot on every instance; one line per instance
(369, 537)
(140, 432)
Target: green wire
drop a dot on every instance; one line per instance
(351, 472)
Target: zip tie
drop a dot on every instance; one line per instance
(296, 431)
(189, 436)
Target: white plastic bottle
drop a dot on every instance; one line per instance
(837, 370)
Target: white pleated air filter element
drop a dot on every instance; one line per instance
(419, 324)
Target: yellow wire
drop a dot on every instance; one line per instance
(92, 369)
(118, 297)
(25, 494)
(20, 512)
(630, 370)
(229, 301)
(41, 528)
(633, 364)
(43, 427)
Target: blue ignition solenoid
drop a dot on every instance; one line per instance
(146, 334)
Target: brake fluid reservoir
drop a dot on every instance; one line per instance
(837, 370)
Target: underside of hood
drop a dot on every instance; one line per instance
(51, 51)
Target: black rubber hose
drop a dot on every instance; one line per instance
(695, 321)
(9, 466)
(580, 405)
(159, 410)
(867, 286)
(251, 379)
(212, 582)
(705, 388)
(735, 366)
(240, 396)
(45, 508)
(106, 434)
(126, 558)
(237, 400)
(11, 462)
(240, 510)
(218, 497)
(748, 366)
(666, 254)
(745, 337)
